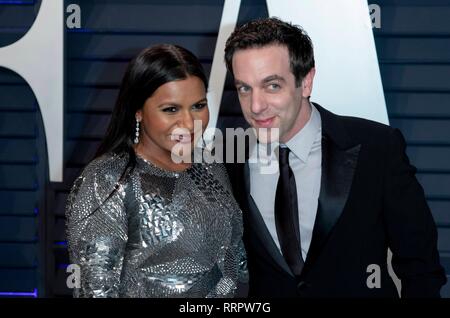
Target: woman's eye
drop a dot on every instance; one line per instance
(170, 109)
(199, 106)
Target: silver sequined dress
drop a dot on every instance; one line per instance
(160, 234)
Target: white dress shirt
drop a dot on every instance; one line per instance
(305, 160)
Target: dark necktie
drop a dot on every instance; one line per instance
(286, 214)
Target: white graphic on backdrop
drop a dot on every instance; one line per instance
(39, 58)
(218, 70)
(348, 80)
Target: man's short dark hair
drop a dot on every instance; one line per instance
(273, 31)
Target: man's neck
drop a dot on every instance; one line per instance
(303, 118)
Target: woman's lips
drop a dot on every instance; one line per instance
(265, 123)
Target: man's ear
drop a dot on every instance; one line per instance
(307, 83)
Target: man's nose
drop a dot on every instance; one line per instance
(258, 104)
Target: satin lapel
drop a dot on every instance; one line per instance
(259, 227)
(338, 168)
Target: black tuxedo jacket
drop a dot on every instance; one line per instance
(369, 200)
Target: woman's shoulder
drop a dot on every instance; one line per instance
(103, 170)
(94, 187)
(108, 163)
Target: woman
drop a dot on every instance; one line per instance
(142, 221)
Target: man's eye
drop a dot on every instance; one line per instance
(171, 109)
(243, 89)
(274, 87)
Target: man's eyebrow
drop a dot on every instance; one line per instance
(265, 80)
(273, 78)
(238, 82)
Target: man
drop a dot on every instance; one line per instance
(344, 193)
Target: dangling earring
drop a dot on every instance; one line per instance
(136, 135)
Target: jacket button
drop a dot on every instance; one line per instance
(301, 285)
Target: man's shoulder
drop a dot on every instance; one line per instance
(360, 129)
(357, 124)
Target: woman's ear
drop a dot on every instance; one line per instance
(138, 115)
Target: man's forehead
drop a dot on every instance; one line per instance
(262, 51)
(261, 64)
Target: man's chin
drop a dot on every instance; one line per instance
(267, 136)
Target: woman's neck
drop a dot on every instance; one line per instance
(161, 159)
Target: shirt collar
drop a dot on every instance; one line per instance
(302, 142)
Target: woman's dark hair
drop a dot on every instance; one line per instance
(273, 31)
(153, 67)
